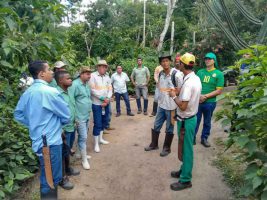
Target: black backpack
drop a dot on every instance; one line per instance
(172, 77)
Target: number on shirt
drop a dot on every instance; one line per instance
(206, 79)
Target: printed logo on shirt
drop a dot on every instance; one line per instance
(214, 75)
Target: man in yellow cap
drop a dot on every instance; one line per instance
(187, 103)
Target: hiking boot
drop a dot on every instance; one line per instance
(145, 113)
(205, 143)
(180, 186)
(167, 145)
(72, 172)
(176, 174)
(130, 114)
(118, 114)
(66, 184)
(139, 111)
(154, 143)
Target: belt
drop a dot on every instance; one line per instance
(183, 119)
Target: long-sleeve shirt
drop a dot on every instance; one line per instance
(70, 127)
(43, 111)
(101, 87)
(81, 94)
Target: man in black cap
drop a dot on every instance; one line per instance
(168, 81)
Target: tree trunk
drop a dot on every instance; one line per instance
(144, 28)
(170, 8)
(172, 36)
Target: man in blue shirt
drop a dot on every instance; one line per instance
(43, 111)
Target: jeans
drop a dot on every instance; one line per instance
(56, 165)
(109, 116)
(163, 115)
(82, 129)
(100, 120)
(188, 152)
(70, 137)
(206, 109)
(125, 97)
(141, 90)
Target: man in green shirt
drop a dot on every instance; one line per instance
(81, 94)
(140, 77)
(212, 81)
(64, 81)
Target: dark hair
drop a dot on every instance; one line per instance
(188, 67)
(59, 75)
(35, 67)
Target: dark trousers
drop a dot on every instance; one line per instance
(206, 109)
(100, 119)
(125, 97)
(56, 165)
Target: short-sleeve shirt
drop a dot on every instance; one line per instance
(165, 86)
(190, 92)
(140, 75)
(211, 80)
(119, 82)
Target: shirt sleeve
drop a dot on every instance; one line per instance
(19, 113)
(156, 75)
(109, 89)
(220, 81)
(112, 79)
(126, 78)
(179, 79)
(55, 103)
(186, 95)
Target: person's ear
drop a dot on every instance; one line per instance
(41, 74)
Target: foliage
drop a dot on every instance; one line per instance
(27, 33)
(248, 121)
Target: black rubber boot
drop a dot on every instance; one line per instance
(167, 145)
(69, 170)
(51, 195)
(145, 106)
(180, 186)
(139, 106)
(155, 108)
(154, 143)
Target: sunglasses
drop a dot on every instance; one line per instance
(207, 58)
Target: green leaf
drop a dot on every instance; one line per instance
(242, 140)
(6, 64)
(264, 195)
(11, 24)
(251, 146)
(21, 176)
(257, 181)
(2, 194)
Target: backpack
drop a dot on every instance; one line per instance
(172, 77)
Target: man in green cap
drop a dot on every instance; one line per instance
(212, 81)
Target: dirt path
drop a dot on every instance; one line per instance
(124, 171)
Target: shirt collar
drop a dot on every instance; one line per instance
(211, 69)
(189, 75)
(40, 81)
(97, 73)
(61, 90)
(80, 81)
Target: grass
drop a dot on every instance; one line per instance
(232, 168)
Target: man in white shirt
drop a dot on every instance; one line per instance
(101, 90)
(119, 80)
(187, 102)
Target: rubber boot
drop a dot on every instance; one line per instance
(51, 195)
(167, 145)
(85, 162)
(66, 184)
(97, 149)
(139, 106)
(101, 140)
(154, 141)
(155, 108)
(145, 106)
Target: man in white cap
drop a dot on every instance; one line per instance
(101, 90)
(59, 66)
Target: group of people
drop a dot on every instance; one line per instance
(54, 107)
(183, 96)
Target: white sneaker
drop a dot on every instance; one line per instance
(101, 140)
(85, 162)
(97, 149)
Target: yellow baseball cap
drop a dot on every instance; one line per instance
(188, 59)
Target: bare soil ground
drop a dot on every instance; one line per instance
(124, 171)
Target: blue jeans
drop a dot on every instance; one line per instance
(56, 164)
(109, 116)
(100, 121)
(70, 137)
(82, 129)
(206, 109)
(162, 116)
(125, 97)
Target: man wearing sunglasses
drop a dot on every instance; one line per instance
(212, 81)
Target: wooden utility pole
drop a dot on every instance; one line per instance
(172, 36)
(144, 28)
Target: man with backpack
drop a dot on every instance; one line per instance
(168, 81)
